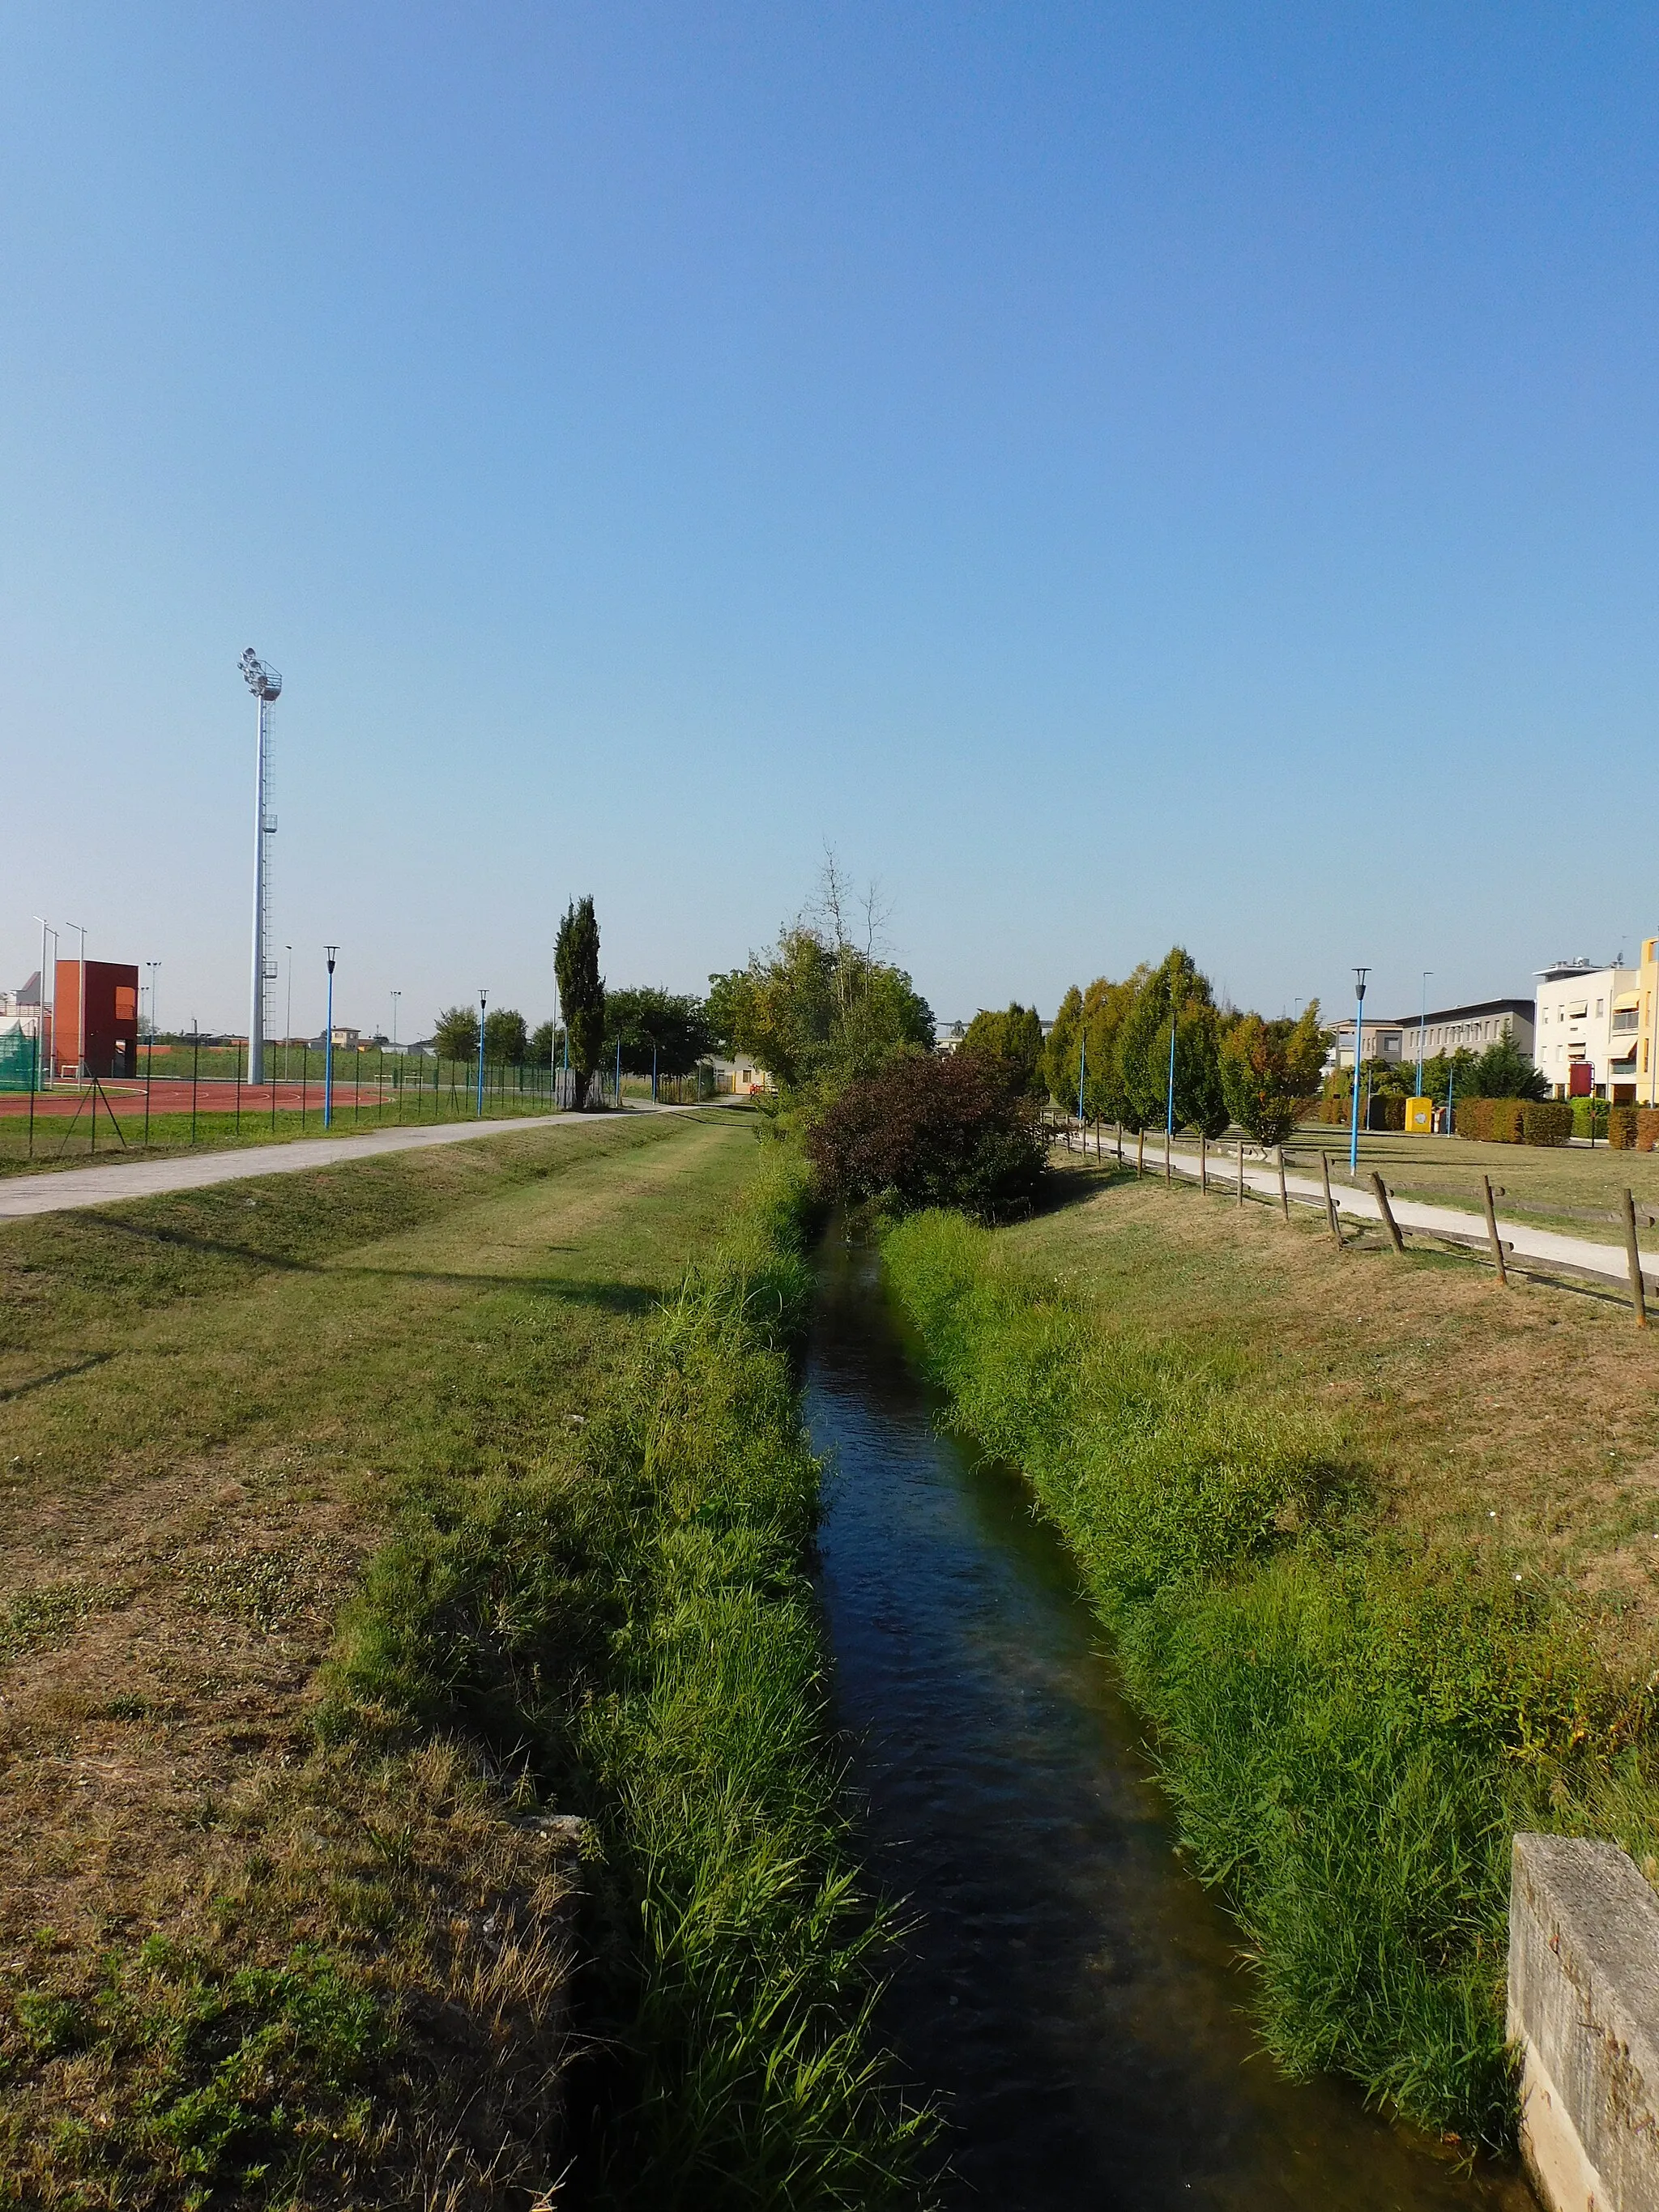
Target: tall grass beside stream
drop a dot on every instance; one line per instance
(640, 1636)
(1349, 1726)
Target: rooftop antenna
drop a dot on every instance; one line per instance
(267, 685)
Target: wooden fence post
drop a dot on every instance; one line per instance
(1241, 1167)
(1638, 1292)
(1203, 1161)
(1140, 1153)
(1330, 1203)
(1381, 1190)
(1284, 1194)
(1491, 1232)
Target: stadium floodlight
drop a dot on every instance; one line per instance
(267, 685)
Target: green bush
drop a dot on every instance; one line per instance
(1349, 1730)
(1547, 1121)
(1589, 1117)
(1621, 1129)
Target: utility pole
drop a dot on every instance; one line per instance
(484, 1001)
(1422, 1022)
(267, 686)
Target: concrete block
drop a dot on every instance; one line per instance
(1583, 2006)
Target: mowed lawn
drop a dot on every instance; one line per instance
(1524, 1422)
(208, 1404)
(1573, 1189)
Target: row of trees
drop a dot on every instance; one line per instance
(660, 1032)
(1131, 1052)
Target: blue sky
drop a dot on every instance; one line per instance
(1117, 475)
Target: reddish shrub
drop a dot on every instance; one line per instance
(931, 1132)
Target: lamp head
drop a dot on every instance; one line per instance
(264, 683)
(1359, 976)
(330, 950)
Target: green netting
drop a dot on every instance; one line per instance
(16, 1060)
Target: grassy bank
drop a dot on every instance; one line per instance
(249, 1960)
(1354, 1700)
(639, 1637)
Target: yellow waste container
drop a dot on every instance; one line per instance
(1419, 1117)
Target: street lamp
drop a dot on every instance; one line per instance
(483, 1002)
(1422, 1022)
(395, 995)
(1359, 976)
(328, 1043)
(287, 1033)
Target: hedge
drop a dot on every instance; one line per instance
(1547, 1121)
(1621, 1129)
(1589, 1117)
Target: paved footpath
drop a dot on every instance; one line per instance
(63, 1192)
(1521, 1242)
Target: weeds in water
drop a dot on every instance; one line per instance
(1349, 1730)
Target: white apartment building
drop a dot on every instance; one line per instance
(1443, 1029)
(1587, 1021)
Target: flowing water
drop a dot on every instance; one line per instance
(1069, 1989)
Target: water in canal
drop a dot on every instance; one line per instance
(1071, 1990)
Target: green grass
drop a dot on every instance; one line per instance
(1352, 1715)
(264, 1947)
(1571, 1188)
(645, 1639)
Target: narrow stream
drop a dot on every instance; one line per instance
(1070, 1990)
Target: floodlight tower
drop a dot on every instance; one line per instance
(267, 685)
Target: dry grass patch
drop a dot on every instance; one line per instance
(216, 1400)
(1522, 1421)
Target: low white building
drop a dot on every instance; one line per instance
(1442, 1030)
(1586, 1033)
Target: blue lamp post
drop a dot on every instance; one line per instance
(1422, 1023)
(328, 1042)
(483, 1002)
(1359, 976)
(1082, 1070)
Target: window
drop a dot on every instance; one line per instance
(1625, 1019)
(1577, 1012)
(1598, 1006)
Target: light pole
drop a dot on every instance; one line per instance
(288, 1019)
(152, 965)
(395, 995)
(80, 1018)
(267, 686)
(47, 930)
(1422, 1023)
(1359, 976)
(483, 1002)
(328, 1043)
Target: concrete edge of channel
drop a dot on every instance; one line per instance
(1583, 2012)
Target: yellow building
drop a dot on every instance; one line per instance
(1646, 1086)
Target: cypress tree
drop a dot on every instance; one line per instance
(581, 991)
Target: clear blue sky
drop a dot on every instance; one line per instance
(1118, 474)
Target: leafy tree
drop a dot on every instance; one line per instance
(545, 1044)
(1105, 1007)
(1270, 1072)
(727, 1008)
(455, 1033)
(507, 1042)
(661, 1032)
(1174, 992)
(930, 1130)
(819, 1010)
(1014, 1039)
(581, 991)
(1062, 1054)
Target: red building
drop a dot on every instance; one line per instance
(95, 1019)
